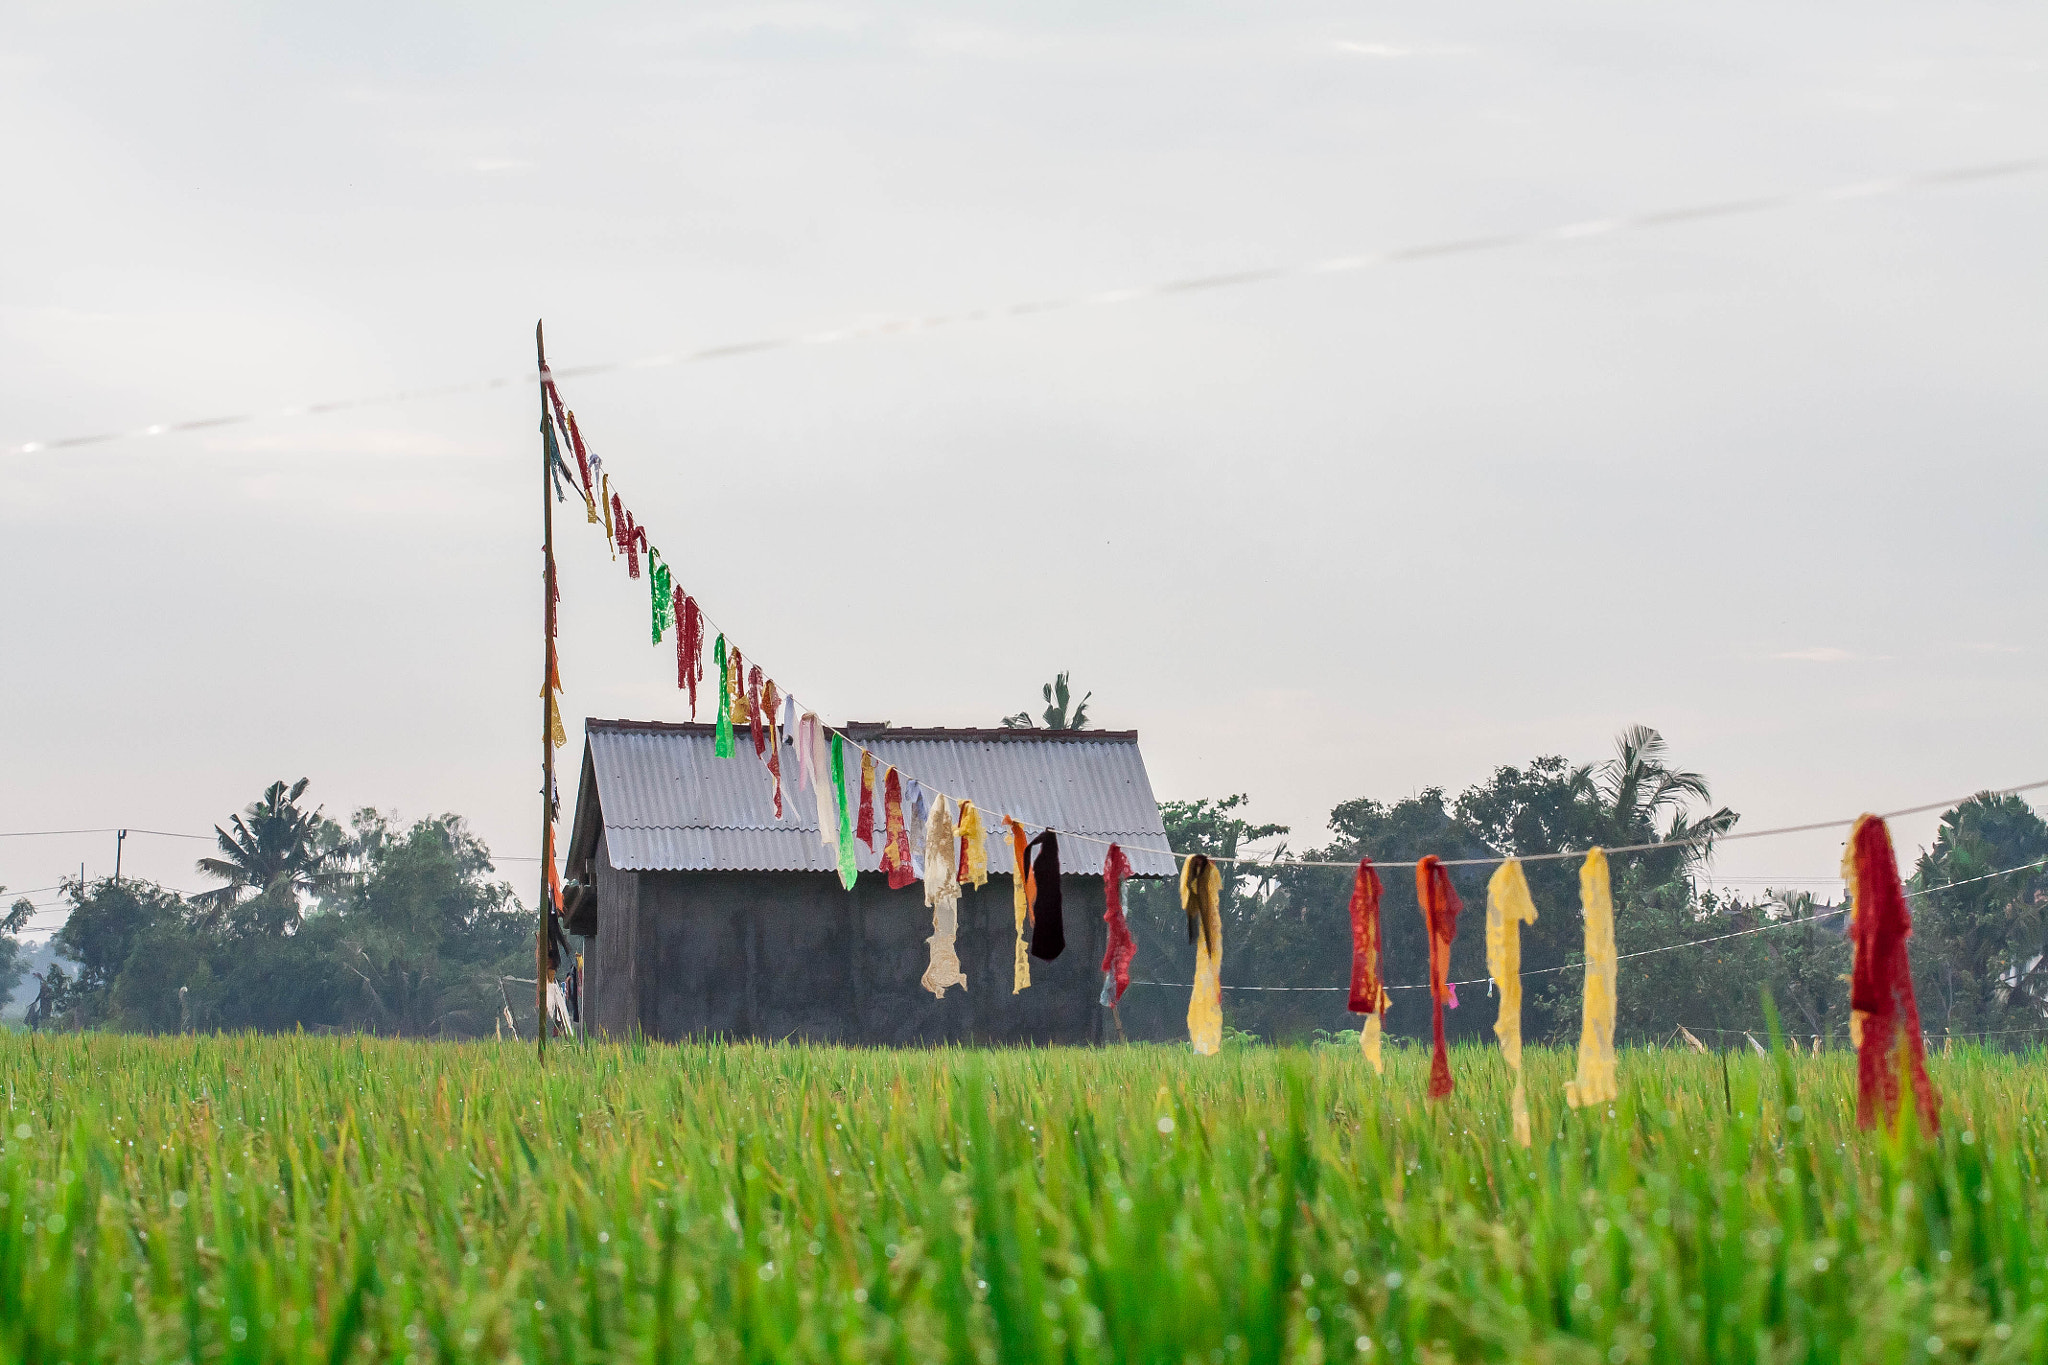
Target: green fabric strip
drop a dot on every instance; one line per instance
(662, 586)
(847, 871)
(723, 745)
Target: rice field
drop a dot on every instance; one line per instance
(316, 1199)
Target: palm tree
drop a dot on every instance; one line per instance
(1057, 696)
(276, 847)
(1638, 785)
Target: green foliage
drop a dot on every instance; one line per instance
(1980, 946)
(13, 956)
(1056, 714)
(279, 853)
(408, 937)
(308, 1199)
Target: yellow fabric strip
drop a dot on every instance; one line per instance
(1020, 971)
(1369, 1036)
(973, 846)
(1508, 908)
(1596, 1080)
(604, 500)
(1200, 894)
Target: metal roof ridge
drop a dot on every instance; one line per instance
(592, 724)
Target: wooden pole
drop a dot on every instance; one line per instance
(547, 701)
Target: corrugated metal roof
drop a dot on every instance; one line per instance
(669, 804)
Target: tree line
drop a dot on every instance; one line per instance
(377, 926)
(404, 928)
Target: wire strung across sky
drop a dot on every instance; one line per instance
(1568, 232)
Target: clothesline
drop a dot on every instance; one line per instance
(1643, 952)
(593, 492)
(1567, 232)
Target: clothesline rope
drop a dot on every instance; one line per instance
(1568, 232)
(1643, 952)
(1696, 841)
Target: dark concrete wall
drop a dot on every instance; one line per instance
(793, 955)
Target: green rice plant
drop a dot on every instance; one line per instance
(243, 1198)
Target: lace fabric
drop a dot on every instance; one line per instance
(942, 894)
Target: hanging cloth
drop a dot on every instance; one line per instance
(662, 592)
(689, 647)
(547, 384)
(1048, 923)
(1508, 908)
(773, 758)
(1595, 1081)
(1881, 1002)
(1368, 989)
(556, 465)
(1440, 910)
(1201, 888)
(589, 471)
(973, 870)
(739, 689)
(1020, 889)
(608, 503)
(754, 726)
(895, 836)
(913, 801)
(722, 743)
(1116, 957)
(864, 829)
(847, 871)
(632, 536)
(557, 736)
(942, 894)
(821, 785)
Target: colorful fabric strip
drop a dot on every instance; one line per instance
(1508, 908)
(1440, 910)
(1201, 887)
(1121, 948)
(1881, 1003)
(1596, 1081)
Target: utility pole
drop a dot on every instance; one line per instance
(547, 703)
(120, 837)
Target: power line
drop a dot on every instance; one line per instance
(1564, 233)
(111, 829)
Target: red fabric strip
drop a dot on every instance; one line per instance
(895, 836)
(576, 440)
(1440, 910)
(1881, 982)
(754, 711)
(689, 647)
(864, 828)
(1365, 940)
(1116, 958)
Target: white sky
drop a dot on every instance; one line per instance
(1771, 483)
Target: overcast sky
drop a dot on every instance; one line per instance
(1772, 483)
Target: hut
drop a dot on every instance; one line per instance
(703, 914)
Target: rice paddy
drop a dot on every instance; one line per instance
(316, 1199)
